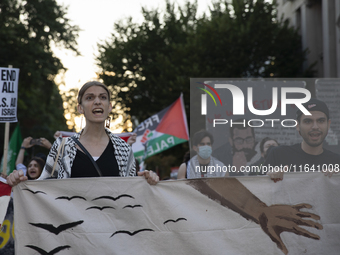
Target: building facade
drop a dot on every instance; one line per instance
(318, 22)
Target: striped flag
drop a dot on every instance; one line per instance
(161, 131)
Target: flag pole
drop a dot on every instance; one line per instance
(4, 166)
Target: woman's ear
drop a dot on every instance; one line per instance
(80, 109)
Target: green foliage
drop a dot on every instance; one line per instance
(152, 62)
(141, 57)
(28, 30)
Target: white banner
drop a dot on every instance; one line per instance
(9, 78)
(245, 215)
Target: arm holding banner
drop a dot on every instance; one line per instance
(16, 177)
(273, 219)
(182, 171)
(150, 176)
(132, 139)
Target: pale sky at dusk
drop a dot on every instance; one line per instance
(96, 19)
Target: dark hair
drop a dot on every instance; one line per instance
(240, 126)
(41, 155)
(198, 137)
(186, 157)
(264, 140)
(91, 84)
(40, 162)
(313, 105)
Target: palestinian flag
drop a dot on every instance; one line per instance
(5, 195)
(161, 131)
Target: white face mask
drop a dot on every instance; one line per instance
(204, 151)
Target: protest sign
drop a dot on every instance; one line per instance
(9, 78)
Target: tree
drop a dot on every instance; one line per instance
(135, 55)
(28, 31)
(151, 63)
(246, 39)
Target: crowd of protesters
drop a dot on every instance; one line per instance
(96, 152)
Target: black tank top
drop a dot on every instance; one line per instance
(107, 163)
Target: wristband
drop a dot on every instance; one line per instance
(22, 147)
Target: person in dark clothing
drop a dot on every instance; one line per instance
(309, 155)
(266, 145)
(93, 152)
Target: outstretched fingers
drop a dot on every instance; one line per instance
(310, 223)
(303, 205)
(304, 232)
(276, 219)
(305, 214)
(302, 222)
(308, 215)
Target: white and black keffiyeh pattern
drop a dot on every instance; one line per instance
(124, 156)
(122, 151)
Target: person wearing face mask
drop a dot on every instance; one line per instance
(203, 164)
